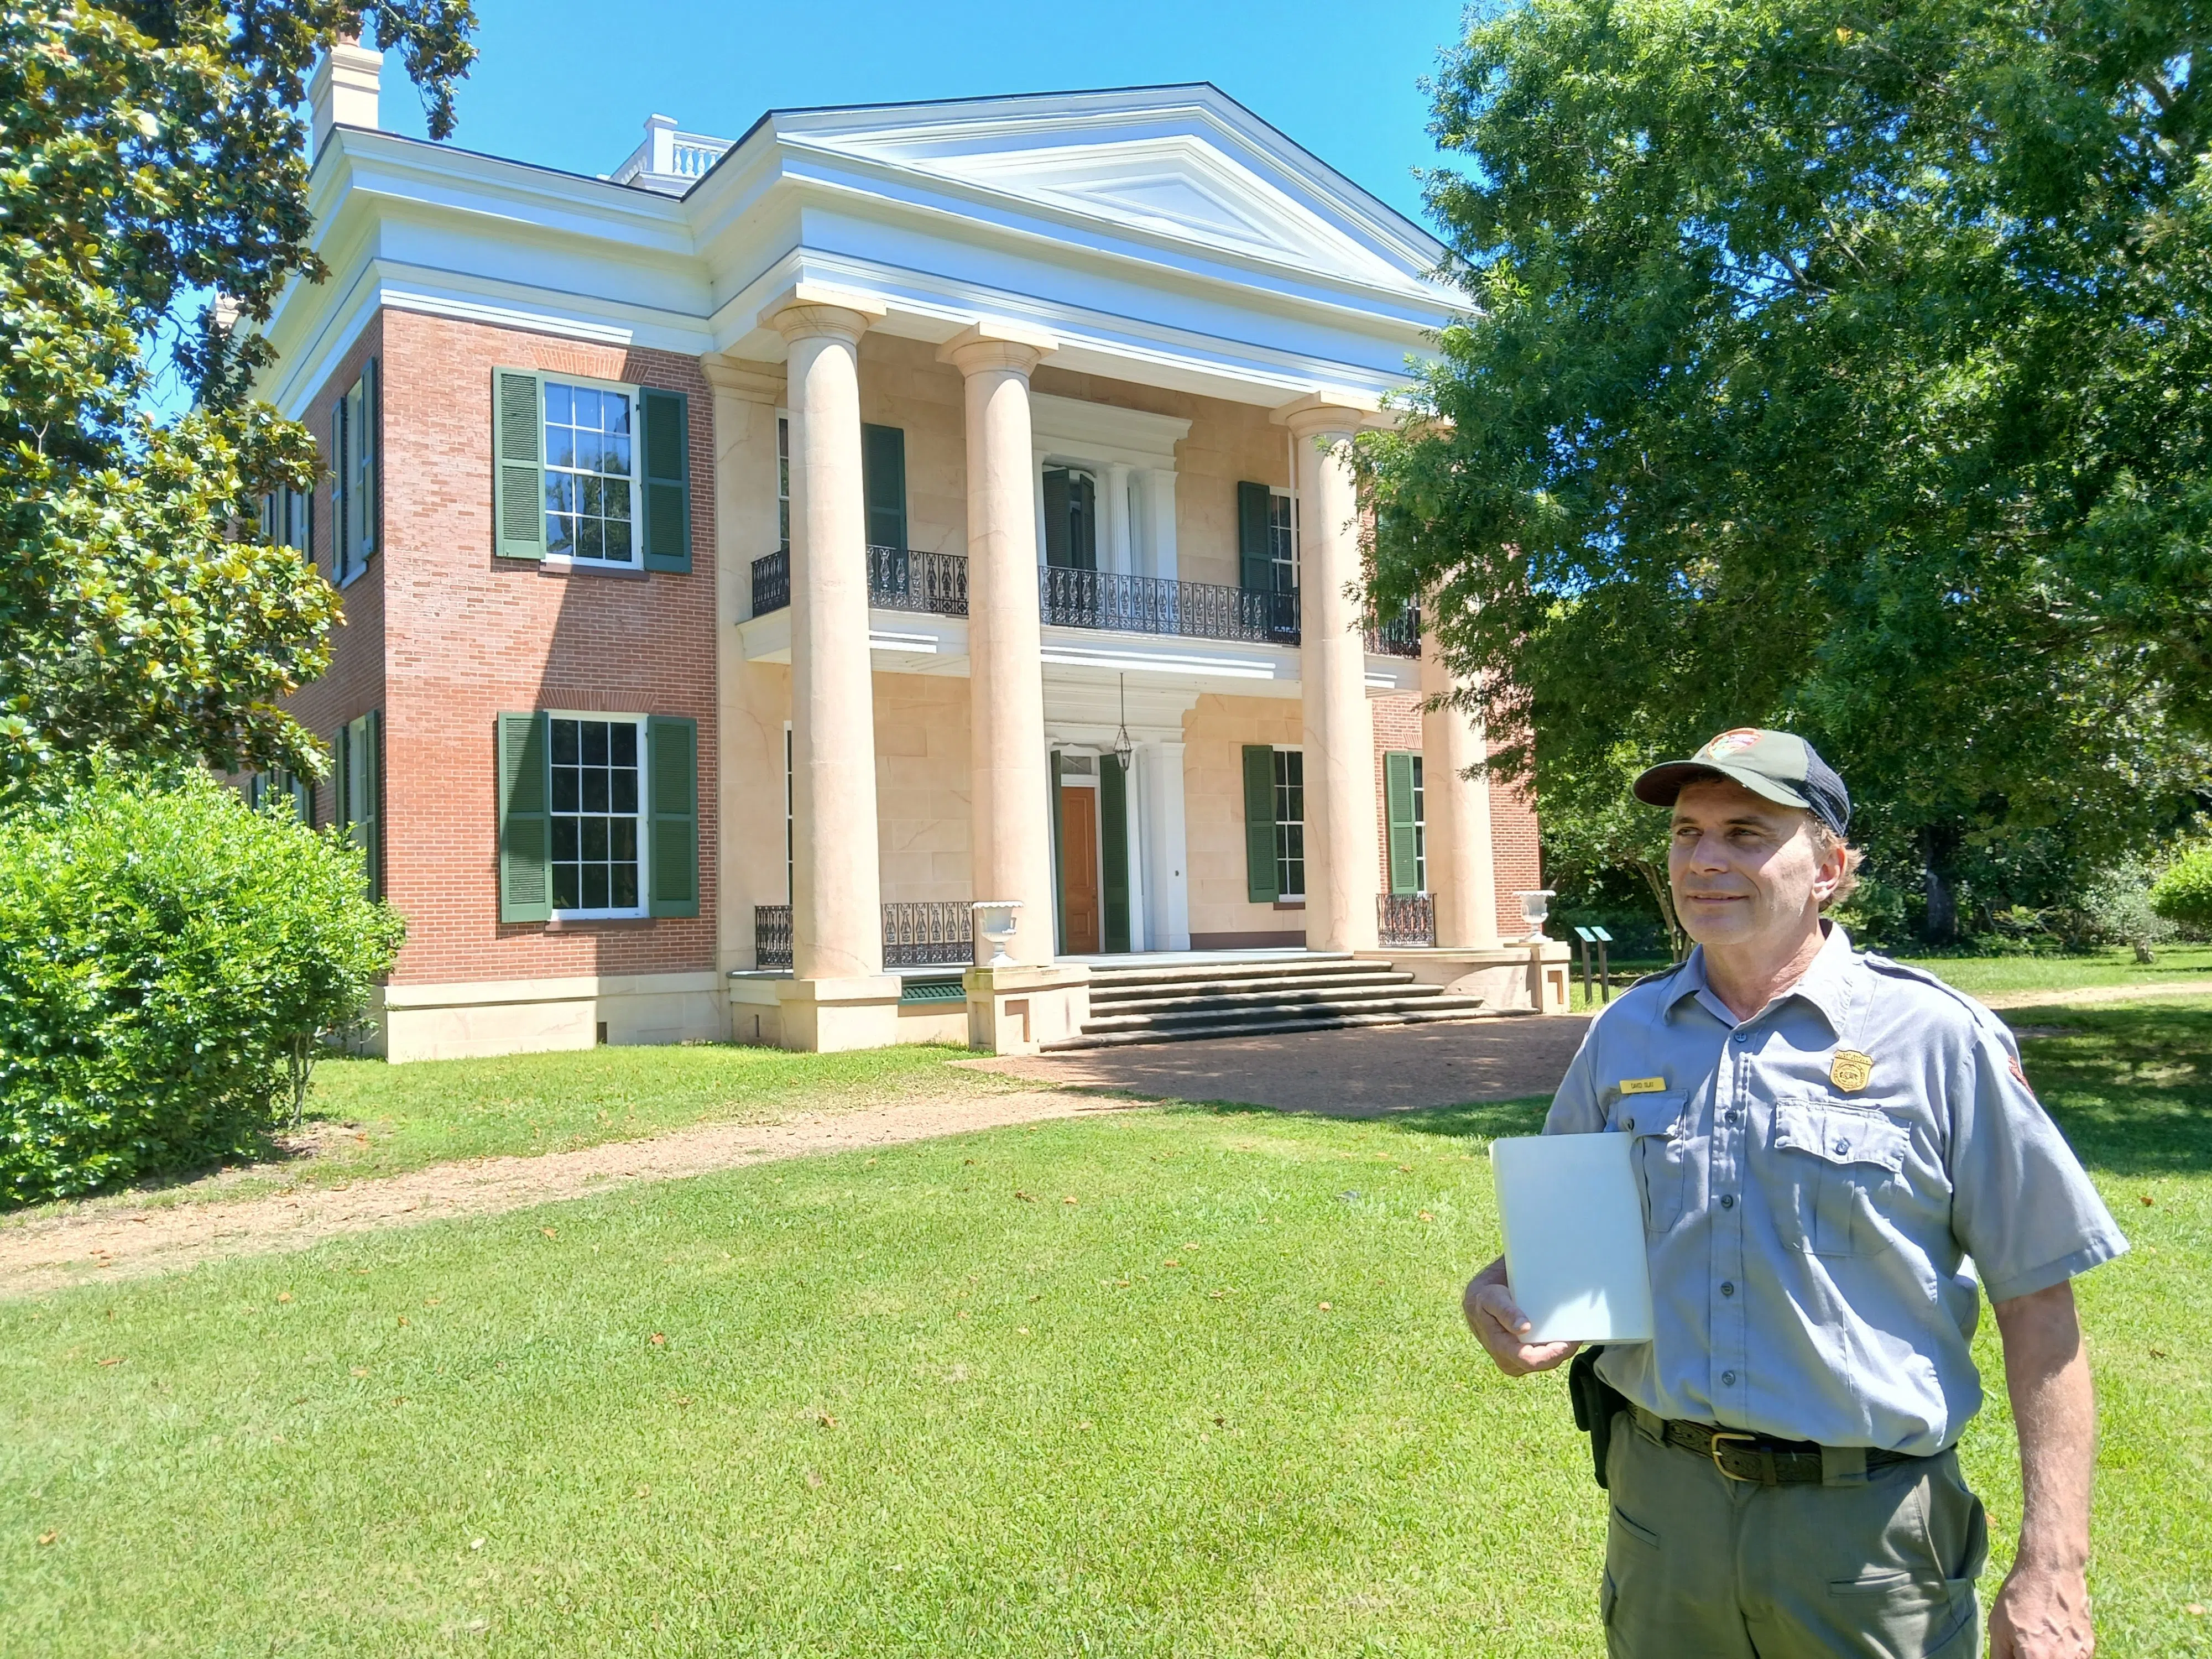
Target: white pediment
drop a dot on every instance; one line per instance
(1194, 170)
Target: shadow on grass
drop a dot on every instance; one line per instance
(2131, 1086)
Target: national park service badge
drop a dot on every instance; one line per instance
(1849, 1070)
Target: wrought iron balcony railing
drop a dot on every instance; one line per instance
(926, 934)
(1408, 919)
(1152, 605)
(1399, 637)
(772, 582)
(899, 579)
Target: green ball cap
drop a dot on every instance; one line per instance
(1780, 766)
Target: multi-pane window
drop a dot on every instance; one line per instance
(1290, 823)
(598, 801)
(783, 480)
(1282, 542)
(587, 473)
(1420, 831)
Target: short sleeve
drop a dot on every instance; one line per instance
(1575, 1106)
(2021, 1205)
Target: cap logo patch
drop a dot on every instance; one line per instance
(1730, 742)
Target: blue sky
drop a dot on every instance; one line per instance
(570, 85)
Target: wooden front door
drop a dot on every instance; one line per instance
(1079, 869)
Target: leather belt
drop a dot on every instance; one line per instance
(1762, 1461)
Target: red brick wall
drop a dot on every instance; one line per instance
(459, 636)
(1515, 863)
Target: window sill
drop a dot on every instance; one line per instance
(593, 924)
(1299, 903)
(628, 573)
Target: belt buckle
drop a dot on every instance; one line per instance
(1714, 1448)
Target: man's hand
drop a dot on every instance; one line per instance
(1499, 1325)
(2042, 1612)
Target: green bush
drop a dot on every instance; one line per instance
(171, 963)
(2183, 893)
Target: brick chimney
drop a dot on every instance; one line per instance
(342, 92)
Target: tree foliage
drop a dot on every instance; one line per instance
(1842, 367)
(151, 157)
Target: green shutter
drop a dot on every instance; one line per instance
(1113, 849)
(1398, 799)
(526, 890)
(883, 484)
(671, 750)
(518, 435)
(667, 477)
(1255, 561)
(338, 490)
(368, 462)
(1260, 824)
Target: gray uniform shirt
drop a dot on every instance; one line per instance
(1807, 1238)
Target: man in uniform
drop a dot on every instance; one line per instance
(1823, 1138)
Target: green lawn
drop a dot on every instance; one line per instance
(366, 1119)
(2000, 975)
(916, 1403)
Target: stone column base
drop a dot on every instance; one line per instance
(1529, 977)
(1016, 1010)
(832, 1016)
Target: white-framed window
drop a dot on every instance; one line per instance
(1420, 831)
(783, 480)
(1291, 823)
(591, 471)
(1283, 540)
(356, 477)
(597, 815)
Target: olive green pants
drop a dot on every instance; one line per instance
(1699, 1567)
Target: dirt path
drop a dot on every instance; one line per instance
(2095, 994)
(108, 1244)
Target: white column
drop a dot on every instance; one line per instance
(1118, 551)
(836, 913)
(1463, 876)
(1009, 777)
(1341, 851)
(1167, 886)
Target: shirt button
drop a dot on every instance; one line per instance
(1743, 1037)
(1728, 1200)
(1843, 1146)
(1728, 1287)
(1628, 1123)
(1731, 1114)
(1728, 1379)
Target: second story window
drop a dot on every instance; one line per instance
(1283, 541)
(783, 481)
(588, 473)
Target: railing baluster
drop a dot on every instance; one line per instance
(1405, 918)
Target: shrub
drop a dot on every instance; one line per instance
(2183, 895)
(171, 962)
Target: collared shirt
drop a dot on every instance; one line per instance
(1807, 1217)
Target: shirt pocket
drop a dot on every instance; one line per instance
(1662, 1151)
(1825, 1172)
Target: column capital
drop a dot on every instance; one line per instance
(759, 383)
(1335, 410)
(993, 343)
(806, 310)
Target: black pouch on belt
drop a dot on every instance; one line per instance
(1595, 1401)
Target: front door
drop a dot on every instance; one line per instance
(1078, 866)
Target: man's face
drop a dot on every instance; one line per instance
(1745, 869)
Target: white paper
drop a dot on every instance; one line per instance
(1574, 1235)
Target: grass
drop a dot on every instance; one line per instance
(366, 1119)
(915, 1402)
(1995, 975)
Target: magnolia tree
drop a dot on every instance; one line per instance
(153, 158)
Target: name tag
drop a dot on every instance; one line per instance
(1642, 1085)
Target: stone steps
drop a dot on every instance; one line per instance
(1188, 1002)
